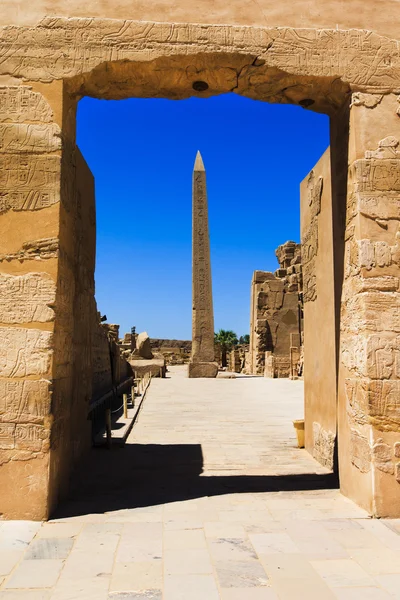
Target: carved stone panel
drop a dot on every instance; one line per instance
(20, 103)
(28, 182)
(24, 352)
(29, 137)
(360, 451)
(26, 298)
(24, 401)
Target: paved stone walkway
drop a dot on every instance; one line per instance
(209, 500)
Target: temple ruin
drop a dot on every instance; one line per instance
(345, 63)
(276, 315)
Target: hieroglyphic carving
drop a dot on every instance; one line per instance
(360, 451)
(357, 401)
(7, 431)
(24, 401)
(35, 250)
(309, 242)
(387, 148)
(29, 137)
(374, 402)
(324, 445)
(375, 356)
(26, 298)
(202, 316)
(35, 438)
(20, 103)
(377, 175)
(62, 47)
(24, 436)
(382, 456)
(29, 182)
(372, 311)
(24, 352)
(384, 404)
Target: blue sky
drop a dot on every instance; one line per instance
(142, 151)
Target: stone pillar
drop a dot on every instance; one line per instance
(202, 362)
(369, 371)
(30, 187)
(46, 297)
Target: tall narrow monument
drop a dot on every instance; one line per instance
(202, 362)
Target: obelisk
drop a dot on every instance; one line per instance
(202, 361)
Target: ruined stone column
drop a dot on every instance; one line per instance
(202, 362)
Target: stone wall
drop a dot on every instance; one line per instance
(274, 314)
(320, 383)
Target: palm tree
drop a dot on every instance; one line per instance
(244, 339)
(226, 339)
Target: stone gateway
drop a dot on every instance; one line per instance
(344, 63)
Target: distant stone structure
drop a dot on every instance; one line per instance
(237, 358)
(275, 315)
(143, 347)
(202, 362)
(141, 358)
(175, 352)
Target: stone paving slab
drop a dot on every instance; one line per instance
(209, 500)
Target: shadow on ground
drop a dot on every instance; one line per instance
(139, 475)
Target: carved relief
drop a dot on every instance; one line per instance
(382, 457)
(63, 48)
(309, 242)
(357, 401)
(371, 311)
(360, 451)
(35, 250)
(26, 436)
(29, 182)
(375, 356)
(35, 438)
(20, 103)
(384, 404)
(367, 100)
(397, 450)
(24, 352)
(378, 175)
(27, 298)
(387, 148)
(24, 401)
(374, 402)
(22, 137)
(398, 472)
(324, 445)
(7, 431)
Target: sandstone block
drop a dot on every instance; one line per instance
(143, 346)
(27, 298)
(202, 369)
(24, 352)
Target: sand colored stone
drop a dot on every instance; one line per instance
(344, 63)
(275, 314)
(319, 313)
(202, 361)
